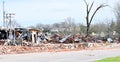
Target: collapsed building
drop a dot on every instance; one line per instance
(24, 36)
(18, 35)
(28, 36)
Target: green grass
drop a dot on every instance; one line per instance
(112, 59)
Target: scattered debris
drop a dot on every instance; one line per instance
(54, 48)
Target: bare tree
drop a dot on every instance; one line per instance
(102, 28)
(40, 26)
(15, 24)
(47, 28)
(32, 27)
(70, 23)
(88, 10)
(117, 15)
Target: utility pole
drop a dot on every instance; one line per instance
(9, 26)
(7, 23)
(4, 23)
(9, 18)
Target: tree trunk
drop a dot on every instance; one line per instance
(87, 34)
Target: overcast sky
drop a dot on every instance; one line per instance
(32, 12)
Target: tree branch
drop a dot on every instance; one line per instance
(87, 10)
(99, 7)
(91, 7)
(85, 2)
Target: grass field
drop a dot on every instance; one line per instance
(112, 59)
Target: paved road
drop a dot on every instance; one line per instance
(74, 56)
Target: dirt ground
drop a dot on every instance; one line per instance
(56, 48)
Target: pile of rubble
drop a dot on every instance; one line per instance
(54, 48)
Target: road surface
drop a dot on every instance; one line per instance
(73, 56)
